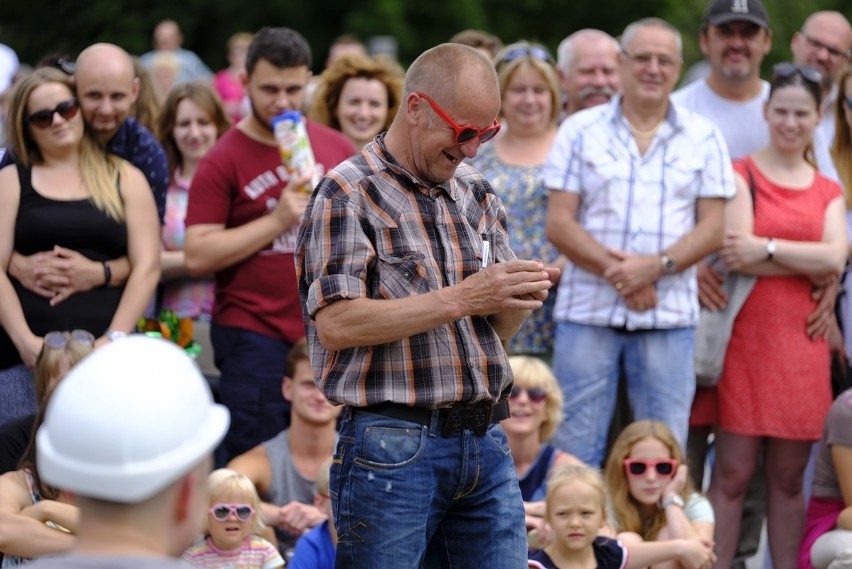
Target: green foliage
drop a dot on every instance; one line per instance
(36, 27)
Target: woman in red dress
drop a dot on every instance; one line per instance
(775, 390)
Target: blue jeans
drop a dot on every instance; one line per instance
(17, 393)
(403, 493)
(659, 368)
(252, 369)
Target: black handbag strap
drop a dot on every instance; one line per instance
(751, 189)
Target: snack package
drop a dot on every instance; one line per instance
(295, 147)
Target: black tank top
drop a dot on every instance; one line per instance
(42, 223)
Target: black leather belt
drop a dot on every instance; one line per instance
(451, 420)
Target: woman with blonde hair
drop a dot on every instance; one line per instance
(512, 163)
(577, 513)
(64, 191)
(650, 490)
(233, 525)
(359, 96)
(536, 411)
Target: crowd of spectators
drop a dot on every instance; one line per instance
(560, 222)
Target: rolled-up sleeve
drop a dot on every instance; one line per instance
(336, 254)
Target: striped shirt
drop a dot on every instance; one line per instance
(640, 204)
(255, 553)
(373, 230)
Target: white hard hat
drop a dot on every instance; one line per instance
(127, 421)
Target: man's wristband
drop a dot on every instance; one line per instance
(107, 274)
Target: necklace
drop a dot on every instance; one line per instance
(643, 133)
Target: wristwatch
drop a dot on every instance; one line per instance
(668, 265)
(673, 499)
(770, 248)
(114, 335)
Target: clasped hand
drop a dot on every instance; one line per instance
(741, 249)
(515, 285)
(58, 273)
(633, 278)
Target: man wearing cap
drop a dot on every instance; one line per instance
(587, 64)
(130, 432)
(734, 37)
(638, 188)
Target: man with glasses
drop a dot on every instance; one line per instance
(588, 69)
(409, 287)
(638, 188)
(824, 43)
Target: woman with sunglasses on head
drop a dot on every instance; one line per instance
(359, 96)
(37, 519)
(61, 351)
(786, 226)
(529, 116)
(232, 528)
(535, 405)
(64, 191)
(652, 495)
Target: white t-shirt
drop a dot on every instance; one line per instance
(741, 122)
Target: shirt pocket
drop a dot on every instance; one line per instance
(683, 177)
(402, 275)
(606, 174)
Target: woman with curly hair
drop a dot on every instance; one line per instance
(652, 496)
(359, 96)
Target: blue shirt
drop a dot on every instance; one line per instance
(137, 145)
(314, 550)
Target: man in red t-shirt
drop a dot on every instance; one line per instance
(242, 220)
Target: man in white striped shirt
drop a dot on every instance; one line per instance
(638, 188)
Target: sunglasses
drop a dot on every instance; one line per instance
(535, 394)
(849, 102)
(533, 52)
(785, 70)
(466, 132)
(44, 118)
(222, 512)
(638, 466)
(58, 340)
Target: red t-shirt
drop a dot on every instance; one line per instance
(238, 181)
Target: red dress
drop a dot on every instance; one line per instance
(776, 379)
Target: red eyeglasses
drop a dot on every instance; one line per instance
(639, 467)
(464, 132)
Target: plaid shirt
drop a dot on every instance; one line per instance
(372, 230)
(636, 203)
